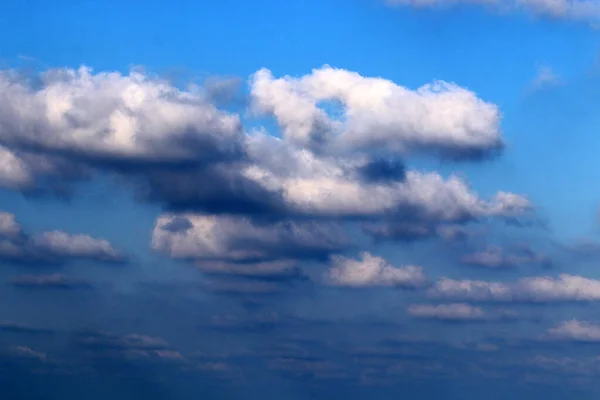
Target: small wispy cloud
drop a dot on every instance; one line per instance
(545, 76)
(574, 10)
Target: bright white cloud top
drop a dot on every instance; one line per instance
(112, 117)
(377, 114)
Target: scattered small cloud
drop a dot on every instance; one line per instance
(27, 353)
(369, 270)
(576, 331)
(54, 247)
(545, 77)
(495, 257)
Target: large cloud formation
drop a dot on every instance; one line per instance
(247, 202)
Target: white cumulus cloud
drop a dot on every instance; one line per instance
(326, 186)
(370, 270)
(377, 114)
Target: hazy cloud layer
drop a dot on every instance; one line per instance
(585, 10)
(497, 257)
(53, 281)
(208, 237)
(564, 288)
(448, 312)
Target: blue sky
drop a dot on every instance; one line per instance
(265, 199)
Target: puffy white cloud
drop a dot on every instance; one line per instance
(575, 330)
(564, 288)
(370, 270)
(71, 123)
(568, 9)
(377, 114)
(237, 238)
(448, 312)
(328, 186)
(112, 117)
